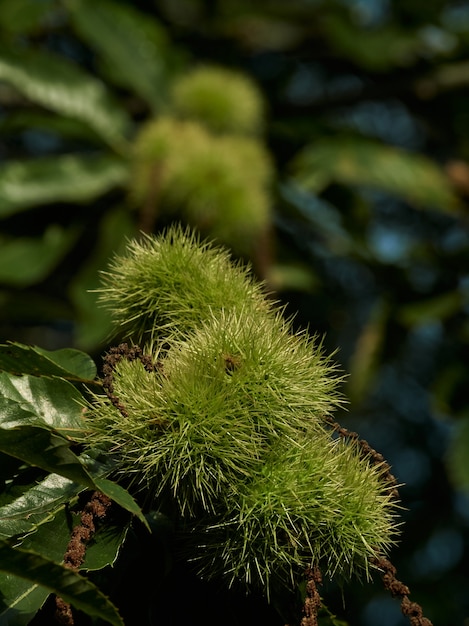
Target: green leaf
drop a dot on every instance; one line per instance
(432, 309)
(41, 502)
(131, 43)
(51, 539)
(40, 516)
(41, 448)
(24, 261)
(47, 123)
(51, 403)
(366, 163)
(67, 178)
(375, 49)
(46, 450)
(105, 547)
(121, 497)
(67, 584)
(28, 406)
(54, 525)
(68, 363)
(61, 86)
(19, 600)
(365, 357)
(71, 361)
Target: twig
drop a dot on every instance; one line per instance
(412, 610)
(367, 452)
(111, 359)
(313, 600)
(94, 510)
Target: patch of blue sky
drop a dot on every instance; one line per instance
(389, 245)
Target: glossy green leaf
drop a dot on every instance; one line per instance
(69, 585)
(121, 497)
(133, 46)
(24, 261)
(105, 548)
(28, 407)
(19, 599)
(51, 539)
(59, 85)
(365, 163)
(36, 505)
(39, 401)
(73, 362)
(67, 363)
(41, 517)
(43, 449)
(65, 178)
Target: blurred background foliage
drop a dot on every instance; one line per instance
(326, 142)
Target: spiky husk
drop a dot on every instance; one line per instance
(229, 427)
(322, 504)
(168, 285)
(205, 420)
(223, 100)
(222, 186)
(219, 184)
(157, 154)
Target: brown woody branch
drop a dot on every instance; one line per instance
(95, 510)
